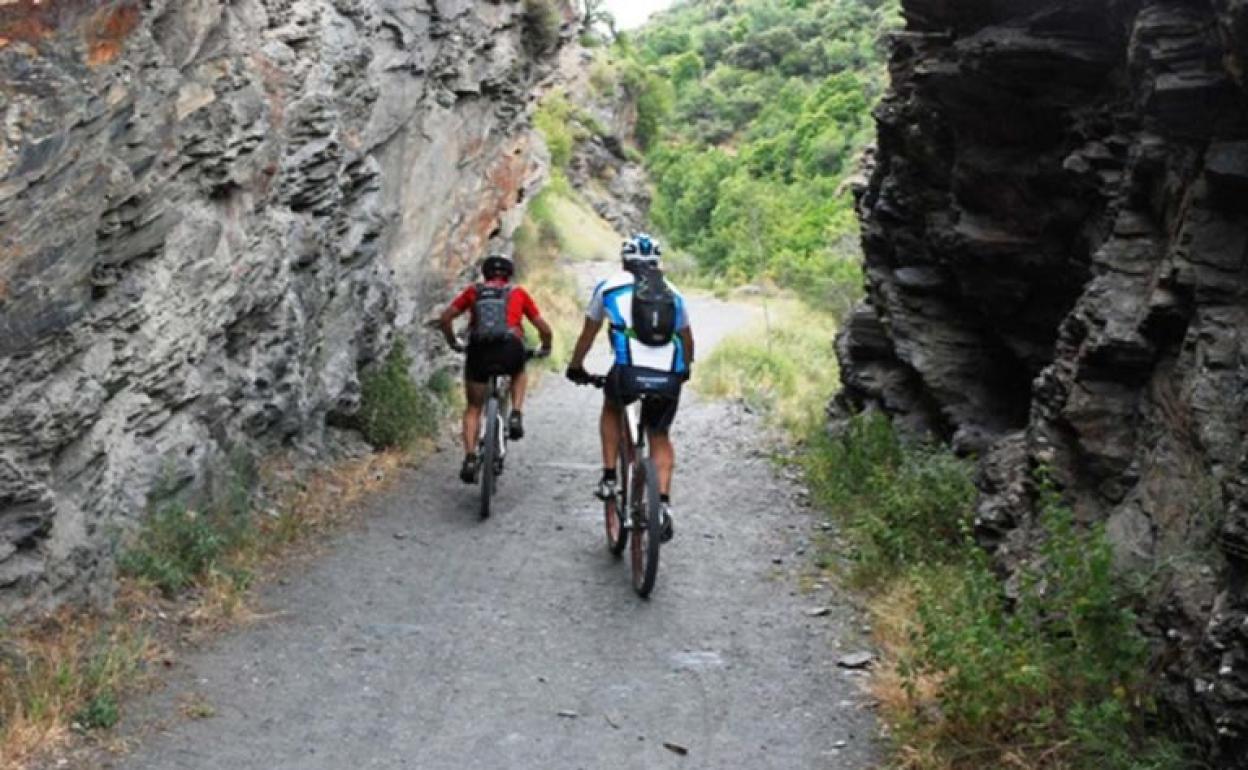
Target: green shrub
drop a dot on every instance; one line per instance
(901, 505)
(541, 26)
(100, 713)
(1062, 667)
(1057, 671)
(554, 120)
(177, 545)
(602, 77)
(395, 412)
(180, 543)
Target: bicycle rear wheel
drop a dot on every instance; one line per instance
(615, 509)
(645, 531)
(489, 455)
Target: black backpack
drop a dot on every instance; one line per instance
(654, 307)
(490, 314)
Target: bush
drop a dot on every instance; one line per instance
(395, 412)
(602, 77)
(902, 506)
(1055, 677)
(180, 543)
(1063, 667)
(100, 713)
(554, 120)
(541, 26)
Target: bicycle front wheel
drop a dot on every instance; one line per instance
(646, 523)
(489, 456)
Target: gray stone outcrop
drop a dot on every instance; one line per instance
(1056, 237)
(213, 215)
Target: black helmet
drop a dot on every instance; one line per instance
(497, 266)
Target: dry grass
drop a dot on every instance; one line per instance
(54, 669)
(904, 699)
(559, 228)
(583, 235)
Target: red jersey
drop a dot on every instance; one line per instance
(519, 305)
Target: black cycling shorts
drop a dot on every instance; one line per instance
(661, 392)
(494, 359)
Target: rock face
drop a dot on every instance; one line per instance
(605, 168)
(212, 215)
(1056, 237)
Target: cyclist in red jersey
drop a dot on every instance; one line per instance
(495, 347)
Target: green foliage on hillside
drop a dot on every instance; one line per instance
(753, 114)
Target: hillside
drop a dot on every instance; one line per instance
(759, 120)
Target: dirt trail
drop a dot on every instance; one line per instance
(430, 639)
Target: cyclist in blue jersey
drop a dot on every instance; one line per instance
(652, 341)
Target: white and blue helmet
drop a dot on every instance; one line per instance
(641, 248)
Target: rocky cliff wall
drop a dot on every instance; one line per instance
(1056, 238)
(606, 166)
(212, 215)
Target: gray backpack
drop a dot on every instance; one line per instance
(490, 314)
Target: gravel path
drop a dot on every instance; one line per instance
(430, 639)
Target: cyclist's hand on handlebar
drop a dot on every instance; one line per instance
(577, 374)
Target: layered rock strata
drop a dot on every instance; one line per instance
(606, 167)
(1056, 238)
(212, 216)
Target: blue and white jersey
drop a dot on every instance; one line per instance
(612, 301)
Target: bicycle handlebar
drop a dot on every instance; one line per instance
(595, 380)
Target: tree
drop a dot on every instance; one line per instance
(594, 13)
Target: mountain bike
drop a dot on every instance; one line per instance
(634, 514)
(492, 439)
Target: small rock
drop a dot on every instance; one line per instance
(818, 612)
(400, 535)
(777, 560)
(840, 744)
(676, 748)
(568, 714)
(856, 660)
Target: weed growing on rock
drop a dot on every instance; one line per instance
(181, 543)
(541, 26)
(178, 545)
(395, 411)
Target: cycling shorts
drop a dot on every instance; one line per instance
(494, 359)
(659, 391)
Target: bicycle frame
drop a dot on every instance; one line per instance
(498, 389)
(634, 432)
